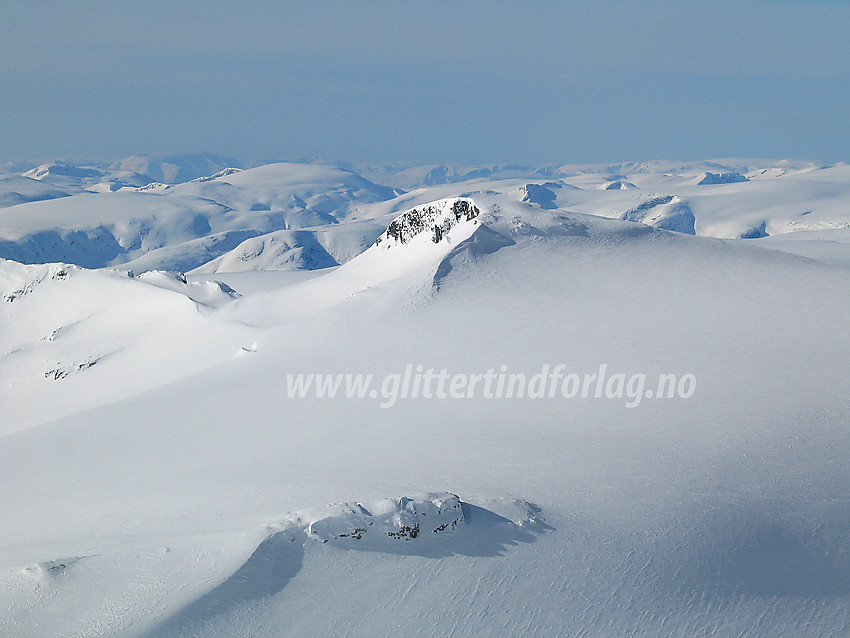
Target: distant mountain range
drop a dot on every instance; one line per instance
(207, 213)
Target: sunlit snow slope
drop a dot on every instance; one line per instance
(174, 488)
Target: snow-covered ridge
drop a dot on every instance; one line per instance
(437, 218)
(207, 293)
(543, 194)
(721, 178)
(403, 518)
(222, 173)
(663, 211)
(615, 186)
(153, 187)
(17, 280)
(63, 169)
(185, 226)
(406, 518)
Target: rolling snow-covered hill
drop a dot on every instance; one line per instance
(295, 216)
(134, 171)
(163, 479)
(185, 226)
(18, 189)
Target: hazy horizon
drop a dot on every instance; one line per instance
(25, 164)
(588, 82)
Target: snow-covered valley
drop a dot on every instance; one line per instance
(161, 479)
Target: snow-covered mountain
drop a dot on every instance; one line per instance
(187, 225)
(197, 455)
(168, 478)
(18, 189)
(134, 171)
(287, 216)
(173, 169)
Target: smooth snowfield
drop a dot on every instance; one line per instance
(199, 503)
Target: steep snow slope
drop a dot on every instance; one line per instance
(416, 239)
(180, 510)
(667, 212)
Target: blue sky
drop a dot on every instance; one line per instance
(424, 82)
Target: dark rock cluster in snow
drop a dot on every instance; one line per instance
(439, 218)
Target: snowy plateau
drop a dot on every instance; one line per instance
(161, 479)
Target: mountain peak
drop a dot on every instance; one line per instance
(435, 219)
